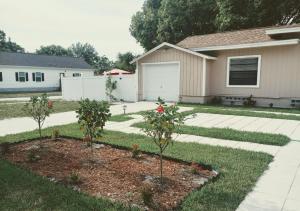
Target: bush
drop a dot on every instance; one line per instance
(249, 102)
(216, 101)
(74, 178)
(39, 108)
(110, 86)
(147, 195)
(162, 124)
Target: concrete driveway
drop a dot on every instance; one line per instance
(18, 125)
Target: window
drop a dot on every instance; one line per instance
(21, 76)
(76, 74)
(1, 77)
(243, 71)
(38, 77)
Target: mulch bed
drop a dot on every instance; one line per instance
(113, 174)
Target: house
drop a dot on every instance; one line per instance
(25, 72)
(263, 62)
(117, 72)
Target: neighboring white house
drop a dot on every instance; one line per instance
(23, 72)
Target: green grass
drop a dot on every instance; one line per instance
(230, 134)
(120, 118)
(243, 111)
(239, 171)
(16, 109)
(27, 94)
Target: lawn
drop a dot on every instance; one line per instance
(12, 110)
(244, 111)
(239, 171)
(230, 134)
(27, 94)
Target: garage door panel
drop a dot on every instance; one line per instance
(161, 80)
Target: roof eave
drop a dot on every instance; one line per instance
(249, 45)
(175, 47)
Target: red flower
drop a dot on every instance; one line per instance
(160, 109)
(50, 104)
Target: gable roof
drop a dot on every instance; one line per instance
(247, 36)
(165, 44)
(35, 60)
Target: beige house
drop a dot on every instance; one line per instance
(263, 62)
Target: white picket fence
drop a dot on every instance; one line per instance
(76, 88)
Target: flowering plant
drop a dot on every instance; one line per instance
(162, 123)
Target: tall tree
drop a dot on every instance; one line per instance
(123, 61)
(54, 50)
(172, 21)
(7, 45)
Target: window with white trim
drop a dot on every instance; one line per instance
(1, 77)
(76, 74)
(21, 76)
(243, 71)
(38, 77)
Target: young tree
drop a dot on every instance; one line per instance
(161, 125)
(39, 108)
(92, 116)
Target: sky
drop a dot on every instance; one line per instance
(102, 23)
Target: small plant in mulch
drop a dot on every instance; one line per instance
(162, 124)
(4, 148)
(74, 178)
(135, 151)
(32, 156)
(39, 108)
(55, 134)
(147, 195)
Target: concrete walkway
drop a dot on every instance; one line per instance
(18, 125)
(290, 128)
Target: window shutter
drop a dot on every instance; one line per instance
(17, 76)
(26, 76)
(33, 76)
(1, 79)
(43, 77)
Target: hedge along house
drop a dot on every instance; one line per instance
(263, 62)
(25, 72)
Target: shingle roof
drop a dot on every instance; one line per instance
(35, 60)
(230, 38)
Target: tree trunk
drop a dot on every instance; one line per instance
(161, 167)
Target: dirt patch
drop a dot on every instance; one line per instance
(113, 174)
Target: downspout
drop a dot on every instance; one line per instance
(204, 69)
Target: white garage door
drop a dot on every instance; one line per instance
(161, 80)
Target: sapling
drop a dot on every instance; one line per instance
(162, 123)
(39, 108)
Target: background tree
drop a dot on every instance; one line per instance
(123, 61)
(7, 45)
(54, 50)
(171, 21)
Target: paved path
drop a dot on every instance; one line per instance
(290, 128)
(26, 98)
(18, 125)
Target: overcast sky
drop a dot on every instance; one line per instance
(102, 23)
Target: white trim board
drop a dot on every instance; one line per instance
(175, 47)
(249, 45)
(242, 57)
(283, 31)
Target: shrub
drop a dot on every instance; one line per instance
(135, 151)
(147, 195)
(162, 124)
(216, 101)
(271, 105)
(92, 116)
(39, 108)
(249, 101)
(55, 134)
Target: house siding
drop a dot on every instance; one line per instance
(190, 70)
(279, 77)
(51, 82)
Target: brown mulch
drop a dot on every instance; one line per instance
(113, 174)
